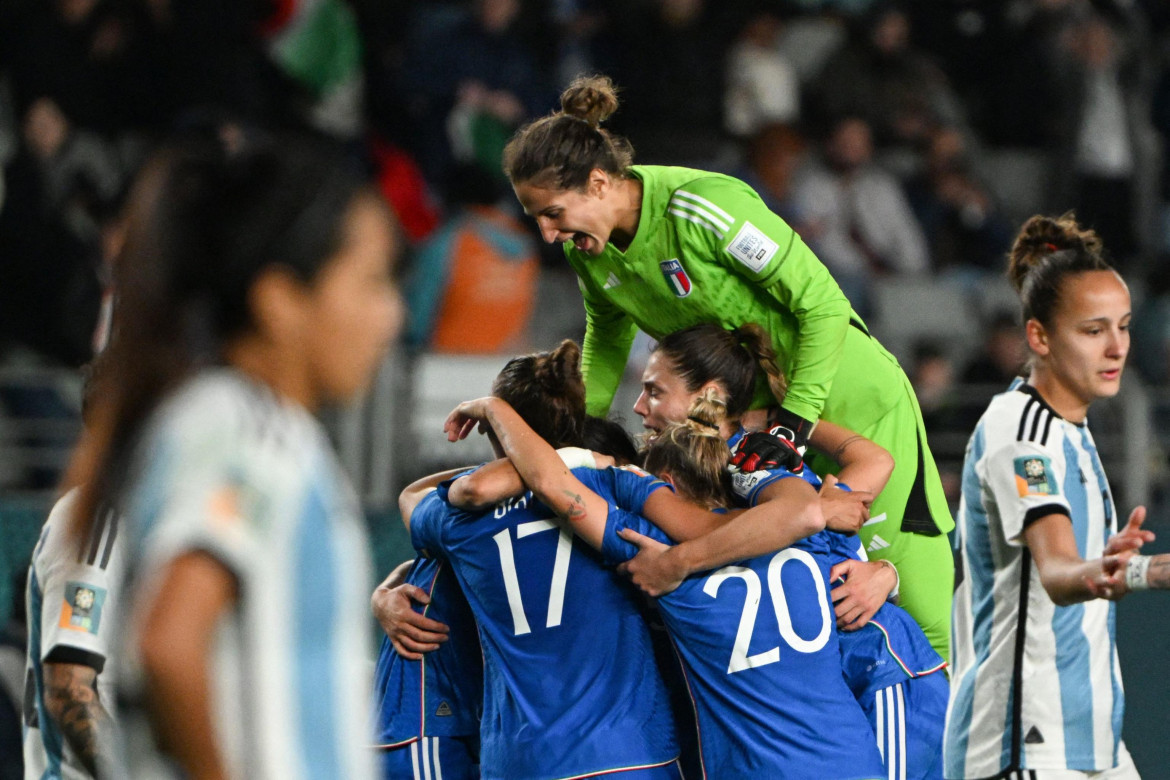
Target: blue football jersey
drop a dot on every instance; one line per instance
(571, 687)
(759, 645)
(441, 694)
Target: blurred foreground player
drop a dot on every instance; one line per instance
(255, 286)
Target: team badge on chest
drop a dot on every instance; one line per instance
(676, 277)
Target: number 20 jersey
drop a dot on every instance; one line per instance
(759, 644)
(571, 685)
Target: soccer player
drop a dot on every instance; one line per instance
(571, 688)
(768, 690)
(255, 285)
(74, 598)
(1036, 685)
(426, 708)
(662, 248)
(888, 662)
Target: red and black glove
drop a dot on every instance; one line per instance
(766, 450)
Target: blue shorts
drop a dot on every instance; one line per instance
(908, 720)
(432, 758)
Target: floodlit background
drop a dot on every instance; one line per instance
(905, 142)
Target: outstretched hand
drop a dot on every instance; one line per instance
(1132, 536)
(654, 569)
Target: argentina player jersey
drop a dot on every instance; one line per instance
(1034, 685)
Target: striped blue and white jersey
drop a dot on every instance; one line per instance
(229, 469)
(73, 599)
(1034, 685)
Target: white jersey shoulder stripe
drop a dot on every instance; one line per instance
(679, 203)
(698, 221)
(704, 202)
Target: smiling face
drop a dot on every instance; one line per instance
(665, 398)
(584, 217)
(1081, 354)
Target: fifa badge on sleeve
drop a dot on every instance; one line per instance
(1034, 476)
(82, 609)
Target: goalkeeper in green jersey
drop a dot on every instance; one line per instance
(661, 249)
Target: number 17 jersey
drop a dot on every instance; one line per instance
(571, 684)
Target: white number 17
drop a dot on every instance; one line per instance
(560, 573)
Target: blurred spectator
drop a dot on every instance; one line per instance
(1100, 135)
(965, 231)
(1160, 114)
(473, 283)
(878, 76)
(471, 80)
(774, 158)
(857, 216)
(672, 103)
(1001, 358)
(761, 86)
(1151, 327)
(933, 377)
(316, 44)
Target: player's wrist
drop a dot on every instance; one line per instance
(893, 594)
(1137, 573)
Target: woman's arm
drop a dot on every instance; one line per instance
(1066, 577)
(865, 465)
(609, 332)
(175, 646)
(794, 514)
(538, 464)
(414, 492)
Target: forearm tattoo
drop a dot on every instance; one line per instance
(74, 704)
(576, 508)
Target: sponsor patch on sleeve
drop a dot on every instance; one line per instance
(82, 608)
(752, 248)
(1034, 476)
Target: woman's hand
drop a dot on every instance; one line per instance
(466, 416)
(844, 511)
(867, 586)
(410, 633)
(1132, 536)
(654, 569)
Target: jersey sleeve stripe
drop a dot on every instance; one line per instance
(704, 202)
(1024, 418)
(109, 549)
(1035, 425)
(724, 223)
(698, 221)
(1047, 426)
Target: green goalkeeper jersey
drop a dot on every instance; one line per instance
(707, 249)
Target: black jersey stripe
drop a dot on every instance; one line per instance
(1024, 419)
(1018, 662)
(1036, 424)
(109, 548)
(95, 539)
(1047, 427)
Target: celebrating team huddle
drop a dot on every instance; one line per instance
(761, 588)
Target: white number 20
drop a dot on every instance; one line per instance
(740, 660)
(560, 573)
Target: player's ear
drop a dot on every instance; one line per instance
(1037, 337)
(599, 183)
